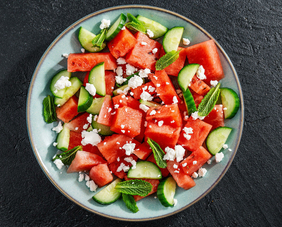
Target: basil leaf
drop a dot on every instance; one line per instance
(167, 59)
(49, 109)
(68, 156)
(130, 202)
(99, 39)
(134, 187)
(158, 153)
(209, 101)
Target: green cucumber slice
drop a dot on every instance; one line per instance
(172, 39)
(230, 102)
(217, 138)
(63, 139)
(84, 100)
(149, 103)
(55, 92)
(102, 129)
(186, 75)
(166, 191)
(116, 27)
(70, 91)
(145, 169)
(95, 106)
(189, 102)
(158, 29)
(85, 38)
(97, 78)
(108, 194)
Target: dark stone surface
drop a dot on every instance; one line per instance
(250, 192)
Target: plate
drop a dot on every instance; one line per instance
(41, 136)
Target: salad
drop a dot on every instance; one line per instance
(147, 115)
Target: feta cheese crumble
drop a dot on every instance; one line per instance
(91, 185)
(105, 23)
(143, 73)
(174, 202)
(58, 128)
(123, 167)
(121, 61)
(195, 175)
(219, 157)
(175, 100)
(225, 146)
(80, 177)
(146, 96)
(65, 55)
(89, 118)
(91, 137)
(196, 116)
(213, 82)
(153, 112)
(155, 50)
(91, 89)
(135, 81)
(201, 73)
(82, 50)
(187, 132)
(186, 41)
(160, 123)
(150, 33)
(59, 164)
(129, 148)
(62, 83)
(202, 172)
(144, 107)
(130, 69)
(194, 162)
(178, 152)
(143, 43)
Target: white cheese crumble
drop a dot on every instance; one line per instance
(195, 175)
(229, 149)
(209, 161)
(55, 144)
(174, 202)
(143, 43)
(129, 148)
(143, 73)
(186, 41)
(225, 146)
(195, 116)
(150, 33)
(85, 126)
(95, 117)
(184, 164)
(179, 152)
(201, 73)
(105, 23)
(144, 107)
(80, 177)
(213, 82)
(62, 83)
(132, 161)
(58, 128)
(187, 132)
(91, 89)
(120, 79)
(160, 123)
(170, 154)
(91, 137)
(146, 96)
(119, 71)
(65, 55)
(175, 166)
(123, 28)
(91, 185)
(151, 89)
(194, 162)
(130, 69)
(123, 167)
(58, 163)
(135, 81)
(175, 100)
(89, 118)
(158, 85)
(87, 178)
(121, 61)
(219, 157)
(155, 50)
(76, 128)
(202, 172)
(153, 112)
(82, 50)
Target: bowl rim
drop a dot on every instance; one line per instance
(28, 120)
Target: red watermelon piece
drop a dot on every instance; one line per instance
(110, 82)
(123, 100)
(101, 174)
(105, 115)
(69, 110)
(148, 87)
(143, 151)
(199, 86)
(78, 123)
(215, 117)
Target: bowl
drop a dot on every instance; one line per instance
(41, 136)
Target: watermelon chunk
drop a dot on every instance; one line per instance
(164, 171)
(78, 123)
(105, 115)
(141, 56)
(123, 100)
(69, 110)
(143, 151)
(206, 54)
(122, 43)
(183, 180)
(199, 86)
(127, 121)
(215, 117)
(110, 82)
(111, 146)
(148, 87)
(197, 98)
(101, 174)
(201, 130)
(164, 87)
(201, 156)
(141, 136)
(84, 62)
(84, 161)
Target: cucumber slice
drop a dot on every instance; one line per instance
(189, 102)
(217, 138)
(230, 102)
(63, 139)
(108, 194)
(70, 91)
(172, 39)
(166, 191)
(115, 92)
(102, 129)
(55, 92)
(84, 100)
(158, 29)
(97, 78)
(145, 169)
(149, 103)
(89, 129)
(186, 75)
(95, 106)
(116, 27)
(85, 38)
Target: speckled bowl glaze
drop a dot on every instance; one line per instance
(41, 136)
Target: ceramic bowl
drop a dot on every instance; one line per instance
(41, 136)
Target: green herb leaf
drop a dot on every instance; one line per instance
(100, 38)
(167, 59)
(208, 102)
(68, 156)
(49, 109)
(158, 153)
(134, 24)
(134, 187)
(130, 202)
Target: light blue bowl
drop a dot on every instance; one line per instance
(41, 136)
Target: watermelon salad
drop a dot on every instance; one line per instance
(147, 114)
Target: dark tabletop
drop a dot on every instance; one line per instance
(250, 192)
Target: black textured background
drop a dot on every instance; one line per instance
(248, 195)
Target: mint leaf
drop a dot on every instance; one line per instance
(158, 153)
(99, 39)
(130, 202)
(134, 187)
(134, 24)
(208, 102)
(49, 109)
(167, 59)
(68, 156)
